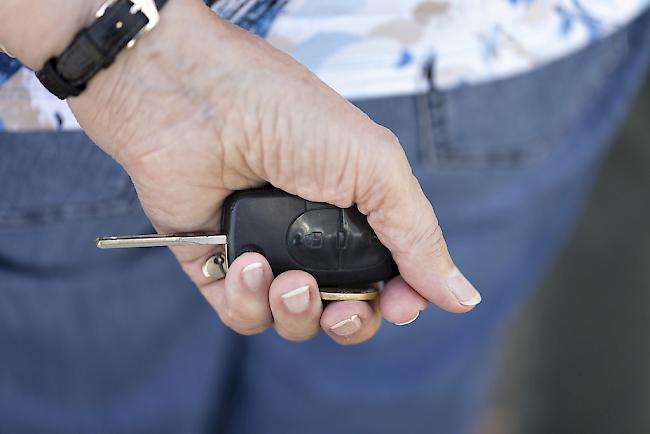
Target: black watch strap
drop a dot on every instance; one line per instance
(118, 25)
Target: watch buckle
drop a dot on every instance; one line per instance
(102, 9)
(147, 7)
(150, 10)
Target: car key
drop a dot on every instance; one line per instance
(337, 246)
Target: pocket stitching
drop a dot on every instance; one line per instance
(438, 150)
(122, 203)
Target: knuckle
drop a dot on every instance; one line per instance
(386, 152)
(387, 176)
(246, 327)
(393, 158)
(296, 335)
(430, 239)
(238, 314)
(226, 318)
(251, 331)
(386, 137)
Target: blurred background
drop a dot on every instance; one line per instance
(576, 357)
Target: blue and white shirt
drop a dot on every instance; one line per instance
(373, 48)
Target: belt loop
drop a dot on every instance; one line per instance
(432, 118)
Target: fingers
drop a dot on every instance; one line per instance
(399, 303)
(351, 322)
(298, 312)
(241, 299)
(249, 301)
(296, 305)
(404, 221)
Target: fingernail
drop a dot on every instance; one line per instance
(297, 301)
(253, 275)
(347, 327)
(464, 291)
(409, 321)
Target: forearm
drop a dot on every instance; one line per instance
(35, 30)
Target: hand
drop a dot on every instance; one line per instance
(200, 108)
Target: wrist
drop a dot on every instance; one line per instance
(34, 31)
(162, 66)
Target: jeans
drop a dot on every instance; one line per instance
(121, 342)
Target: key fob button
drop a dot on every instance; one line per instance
(363, 249)
(334, 239)
(313, 239)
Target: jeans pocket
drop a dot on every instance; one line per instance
(59, 177)
(515, 121)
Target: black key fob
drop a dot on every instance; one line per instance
(335, 245)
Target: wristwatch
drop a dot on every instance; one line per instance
(119, 24)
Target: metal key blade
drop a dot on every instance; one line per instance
(156, 240)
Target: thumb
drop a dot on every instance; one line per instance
(406, 224)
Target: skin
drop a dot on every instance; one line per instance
(200, 108)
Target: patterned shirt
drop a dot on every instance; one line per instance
(372, 48)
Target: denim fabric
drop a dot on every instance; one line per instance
(121, 342)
